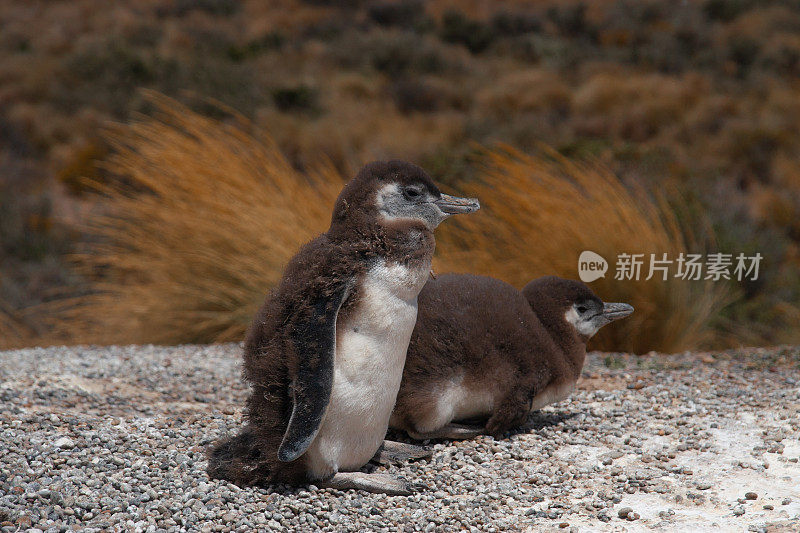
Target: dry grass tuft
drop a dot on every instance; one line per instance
(13, 332)
(207, 213)
(200, 226)
(539, 213)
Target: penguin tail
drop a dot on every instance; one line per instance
(239, 460)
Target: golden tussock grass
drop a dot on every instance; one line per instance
(13, 333)
(540, 212)
(201, 226)
(209, 212)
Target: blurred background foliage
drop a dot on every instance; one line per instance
(692, 106)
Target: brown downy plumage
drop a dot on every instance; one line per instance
(383, 218)
(482, 349)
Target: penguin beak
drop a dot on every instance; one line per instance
(615, 311)
(453, 205)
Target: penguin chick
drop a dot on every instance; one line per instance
(324, 355)
(482, 349)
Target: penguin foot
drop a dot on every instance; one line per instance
(377, 483)
(450, 431)
(396, 453)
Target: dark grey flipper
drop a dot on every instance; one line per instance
(314, 339)
(450, 431)
(377, 483)
(392, 452)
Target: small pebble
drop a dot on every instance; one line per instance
(65, 443)
(750, 496)
(623, 513)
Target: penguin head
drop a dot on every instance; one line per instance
(396, 191)
(557, 300)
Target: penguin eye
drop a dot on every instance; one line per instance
(411, 193)
(582, 309)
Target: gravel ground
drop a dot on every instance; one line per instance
(114, 439)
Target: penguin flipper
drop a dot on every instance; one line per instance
(314, 340)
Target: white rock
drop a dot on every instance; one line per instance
(65, 443)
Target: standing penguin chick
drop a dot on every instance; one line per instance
(325, 354)
(482, 349)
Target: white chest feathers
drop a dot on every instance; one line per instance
(370, 355)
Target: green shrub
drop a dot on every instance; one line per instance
(459, 29)
(295, 98)
(398, 54)
(408, 14)
(271, 41)
(726, 10)
(507, 23)
(416, 95)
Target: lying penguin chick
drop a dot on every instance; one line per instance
(482, 349)
(325, 354)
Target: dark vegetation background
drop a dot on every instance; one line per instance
(699, 97)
